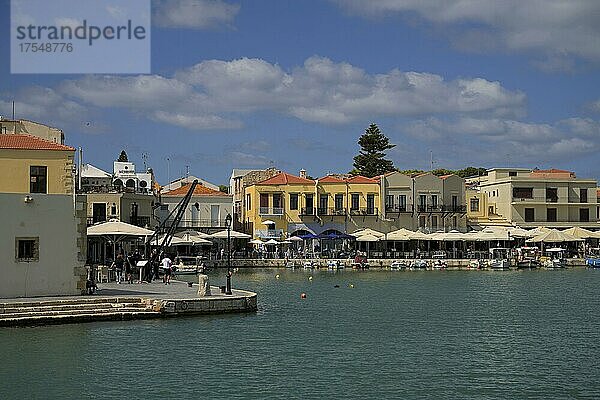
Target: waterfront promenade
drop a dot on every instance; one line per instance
(124, 302)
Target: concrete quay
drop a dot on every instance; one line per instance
(119, 302)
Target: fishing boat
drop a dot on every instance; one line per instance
(439, 264)
(498, 259)
(334, 265)
(556, 258)
(419, 265)
(527, 258)
(592, 262)
(308, 265)
(398, 265)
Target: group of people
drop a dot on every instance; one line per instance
(125, 267)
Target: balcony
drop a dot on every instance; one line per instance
(269, 233)
(364, 211)
(456, 208)
(429, 208)
(307, 211)
(398, 208)
(331, 211)
(200, 223)
(139, 221)
(270, 210)
(552, 199)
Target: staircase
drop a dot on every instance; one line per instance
(60, 311)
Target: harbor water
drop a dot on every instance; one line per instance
(379, 334)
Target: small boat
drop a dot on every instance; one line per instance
(419, 265)
(592, 262)
(290, 264)
(334, 265)
(360, 262)
(499, 259)
(475, 264)
(527, 258)
(439, 265)
(398, 265)
(556, 260)
(308, 265)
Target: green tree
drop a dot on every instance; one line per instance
(224, 188)
(471, 171)
(370, 160)
(123, 157)
(442, 171)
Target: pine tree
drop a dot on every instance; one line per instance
(123, 157)
(371, 160)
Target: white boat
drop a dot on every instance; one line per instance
(499, 259)
(556, 259)
(308, 265)
(290, 264)
(419, 265)
(527, 257)
(475, 264)
(398, 265)
(334, 265)
(439, 264)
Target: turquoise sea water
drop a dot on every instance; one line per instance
(401, 335)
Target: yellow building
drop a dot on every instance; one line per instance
(286, 205)
(43, 228)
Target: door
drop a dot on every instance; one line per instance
(214, 214)
(98, 212)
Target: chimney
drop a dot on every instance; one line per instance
(303, 173)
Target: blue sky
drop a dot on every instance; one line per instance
(293, 84)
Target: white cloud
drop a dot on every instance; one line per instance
(43, 104)
(550, 26)
(594, 106)
(319, 91)
(497, 137)
(194, 14)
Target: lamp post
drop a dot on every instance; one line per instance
(228, 224)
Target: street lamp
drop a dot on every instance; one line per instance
(228, 224)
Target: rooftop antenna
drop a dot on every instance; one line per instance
(187, 172)
(13, 110)
(144, 158)
(168, 170)
(431, 154)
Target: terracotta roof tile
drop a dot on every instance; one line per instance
(29, 142)
(284, 178)
(331, 179)
(199, 190)
(362, 179)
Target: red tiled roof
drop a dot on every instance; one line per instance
(331, 179)
(29, 142)
(199, 190)
(446, 176)
(361, 179)
(284, 178)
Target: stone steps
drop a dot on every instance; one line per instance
(74, 310)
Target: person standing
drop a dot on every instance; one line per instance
(119, 264)
(167, 264)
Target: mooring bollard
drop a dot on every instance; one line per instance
(203, 286)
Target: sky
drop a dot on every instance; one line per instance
(293, 84)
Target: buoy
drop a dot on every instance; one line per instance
(310, 278)
(277, 276)
(351, 285)
(303, 295)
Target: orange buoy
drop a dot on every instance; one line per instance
(303, 295)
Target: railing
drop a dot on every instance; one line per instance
(307, 211)
(269, 233)
(95, 220)
(550, 199)
(456, 208)
(331, 211)
(429, 208)
(399, 208)
(200, 223)
(270, 210)
(139, 221)
(364, 211)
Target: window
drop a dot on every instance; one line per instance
(422, 221)
(523, 193)
(277, 203)
(529, 215)
(293, 201)
(434, 201)
(309, 204)
(323, 203)
(512, 173)
(551, 215)
(248, 204)
(474, 204)
(551, 195)
(354, 202)
(491, 210)
(27, 249)
(454, 202)
(37, 179)
(339, 202)
(454, 222)
(583, 195)
(264, 200)
(422, 202)
(370, 204)
(584, 215)
(434, 222)
(389, 201)
(402, 202)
